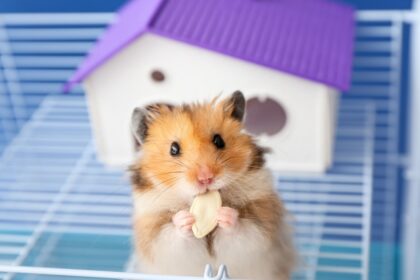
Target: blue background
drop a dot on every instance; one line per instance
(112, 5)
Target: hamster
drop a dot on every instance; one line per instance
(190, 149)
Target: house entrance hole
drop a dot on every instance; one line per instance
(265, 116)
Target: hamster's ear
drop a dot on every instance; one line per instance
(142, 117)
(139, 124)
(235, 106)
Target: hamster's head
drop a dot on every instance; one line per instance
(197, 147)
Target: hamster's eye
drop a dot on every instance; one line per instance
(218, 141)
(175, 149)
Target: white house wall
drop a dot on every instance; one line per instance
(192, 74)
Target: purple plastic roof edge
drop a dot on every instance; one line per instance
(134, 18)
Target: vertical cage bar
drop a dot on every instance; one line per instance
(411, 268)
(367, 189)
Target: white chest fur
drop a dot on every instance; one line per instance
(246, 250)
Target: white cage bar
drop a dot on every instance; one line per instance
(50, 182)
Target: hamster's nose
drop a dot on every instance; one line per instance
(205, 176)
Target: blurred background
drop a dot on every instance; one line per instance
(61, 208)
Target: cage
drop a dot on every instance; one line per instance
(63, 215)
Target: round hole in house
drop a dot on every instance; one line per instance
(157, 76)
(265, 116)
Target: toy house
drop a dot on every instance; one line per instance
(289, 57)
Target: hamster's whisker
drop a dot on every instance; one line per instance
(254, 165)
(229, 159)
(239, 180)
(180, 163)
(169, 180)
(169, 172)
(156, 176)
(159, 195)
(218, 157)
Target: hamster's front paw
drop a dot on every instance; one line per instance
(183, 221)
(227, 218)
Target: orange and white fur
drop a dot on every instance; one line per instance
(185, 151)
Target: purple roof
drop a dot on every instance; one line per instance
(308, 38)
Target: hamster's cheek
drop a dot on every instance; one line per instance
(185, 189)
(236, 159)
(221, 181)
(224, 179)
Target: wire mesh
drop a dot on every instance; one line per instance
(60, 208)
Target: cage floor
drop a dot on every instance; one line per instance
(38, 53)
(60, 208)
